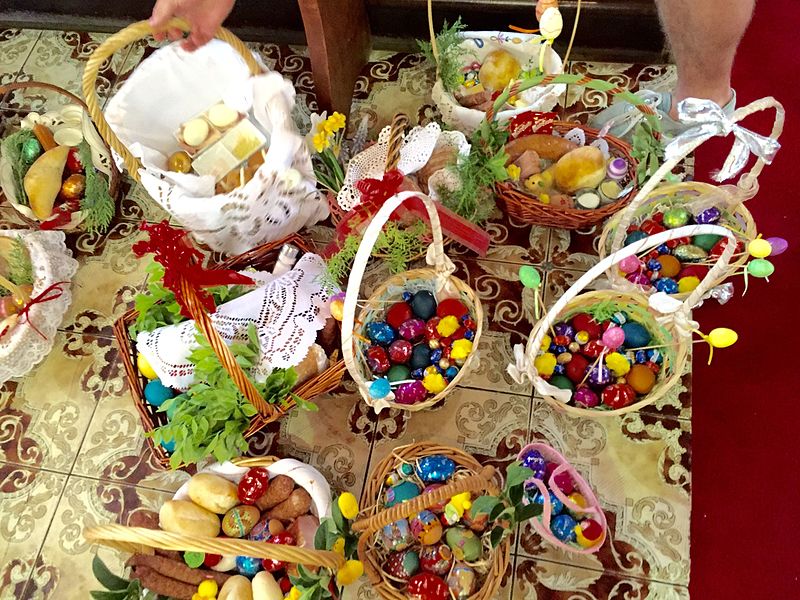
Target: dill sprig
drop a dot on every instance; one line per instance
(11, 149)
(452, 55)
(96, 204)
(20, 268)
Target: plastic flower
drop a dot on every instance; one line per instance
(350, 572)
(513, 172)
(321, 141)
(338, 546)
(334, 123)
(348, 505)
(294, 593)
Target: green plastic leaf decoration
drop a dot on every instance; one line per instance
(484, 505)
(517, 474)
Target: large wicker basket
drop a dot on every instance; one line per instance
(437, 279)
(475, 478)
(263, 257)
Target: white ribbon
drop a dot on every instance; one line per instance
(673, 312)
(712, 121)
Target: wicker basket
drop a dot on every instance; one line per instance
(667, 320)
(145, 541)
(695, 196)
(437, 279)
(98, 145)
(477, 479)
(263, 257)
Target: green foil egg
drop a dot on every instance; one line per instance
(689, 253)
(31, 150)
(676, 217)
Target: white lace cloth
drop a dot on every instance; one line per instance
(22, 348)
(172, 86)
(418, 146)
(288, 311)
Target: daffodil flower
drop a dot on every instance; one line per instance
(321, 141)
(513, 172)
(335, 122)
(350, 572)
(348, 505)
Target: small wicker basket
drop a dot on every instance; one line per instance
(477, 479)
(263, 257)
(437, 279)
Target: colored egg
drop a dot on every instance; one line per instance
(380, 388)
(593, 348)
(462, 581)
(578, 499)
(618, 395)
(402, 492)
(634, 236)
(708, 217)
(464, 543)
(535, 496)
(666, 285)
(436, 559)
(636, 336)
(248, 565)
(676, 217)
(410, 393)
(378, 359)
(588, 532)
(253, 485)
(689, 253)
(534, 460)
(432, 331)
(562, 382)
(564, 329)
(156, 393)
(420, 357)
(380, 332)
(586, 397)
(563, 527)
(144, 367)
(32, 149)
(641, 379)
(599, 375)
(564, 482)
(239, 520)
(400, 351)
(265, 529)
(435, 468)
(587, 323)
(398, 313)
(397, 536)
(699, 271)
(73, 186)
(426, 528)
(179, 162)
(423, 305)
(575, 369)
(412, 330)
(451, 306)
(687, 284)
(398, 373)
(706, 241)
(427, 586)
(670, 266)
(402, 565)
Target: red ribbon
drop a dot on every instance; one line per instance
(182, 261)
(45, 296)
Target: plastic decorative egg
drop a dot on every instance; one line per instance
(248, 566)
(676, 217)
(156, 393)
(410, 393)
(239, 520)
(588, 532)
(427, 586)
(402, 565)
(464, 543)
(462, 581)
(400, 351)
(398, 314)
(435, 468)
(380, 332)
(436, 559)
(423, 305)
(426, 528)
(618, 395)
(397, 536)
(563, 527)
(253, 485)
(402, 492)
(412, 330)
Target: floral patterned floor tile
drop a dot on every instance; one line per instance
(47, 413)
(63, 569)
(639, 467)
(15, 46)
(28, 499)
(495, 353)
(575, 250)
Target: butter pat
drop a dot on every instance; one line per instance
(222, 116)
(195, 132)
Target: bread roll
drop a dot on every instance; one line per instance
(315, 362)
(265, 587)
(546, 146)
(237, 587)
(213, 492)
(185, 517)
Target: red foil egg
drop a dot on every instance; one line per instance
(284, 538)
(430, 329)
(400, 351)
(377, 359)
(451, 306)
(398, 314)
(593, 348)
(74, 164)
(253, 485)
(618, 395)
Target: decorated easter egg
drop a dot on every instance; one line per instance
(397, 535)
(73, 186)
(264, 529)
(670, 266)
(427, 586)
(634, 236)
(689, 253)
(562, 382)
(144, 367)
(423, 305)
(599, 375)
(168, 445)
(636, 336)
(535, 497)
(402, 492)
(706, 241)
(451, 307)
(380, 332)
(398, 373)
(239, 520)
(462, 581)
(666, 285)
(32, 149)
(708, 217)
(398, 313)
(593, 348)
(586, 322)
(378, 359)
(400, 351)
(248, 565)
(588, 532)
(253, 485)
(285, 538)
(436, 559)
(432, 331)
(563, 527)
(618, 395)
(641, 379)
(564, 482)
(435, 468)
(575, 369)
(420, 357)
(451, 372)
(464, 543)
(586, 397)
(534, 460)
(578, 499)
(426, 528)
(402, 565)
(156, 393)
(699, 271)
(380, 388)
(179, 162)
(687, 284)
(676, 217)
(412, 330)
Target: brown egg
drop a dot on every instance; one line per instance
(73, 186)
(179, 162)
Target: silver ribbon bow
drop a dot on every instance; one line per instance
(711, 121)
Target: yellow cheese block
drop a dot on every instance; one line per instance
(43, 181)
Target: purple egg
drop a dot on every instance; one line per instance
(410, 393)
(586, 397)
(564, 329)
(599, 375)
(708, 217)
(535, 462)
(412, 330)
(779, 245)
(638, 278)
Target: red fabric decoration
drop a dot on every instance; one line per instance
(531, 121)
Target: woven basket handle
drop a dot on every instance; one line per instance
(748, 182)
(440, 264)
(396, 137)
(368, 526)
(121, 39)
(542, 327)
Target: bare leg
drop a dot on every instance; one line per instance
(703, 36)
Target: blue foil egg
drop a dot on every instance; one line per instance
(563, 527)
(663, 249)
(168, 445)
(451, 372)
(418, 373)
(380, 332)
(536, 498)
(435, 468)
(469, 335)
(406, 296)
(666, 285)
(559, 369)
(248, 566)
(561, 349)
(156, 393)
(534, 460)
(641, 357)
(653, 265)
(655, 355)
(436, 355)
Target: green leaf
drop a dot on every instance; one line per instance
(497, 535)
(516, 493)
(517, 474)
(496, 511)
(321, 536)
(115, 595)
(338, 518)
(529, 511)
(304, 404)
(105, 577)
(483, 505)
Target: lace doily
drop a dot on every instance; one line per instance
(416, 151)
(288, 311)
(22, 348)
(578, 136)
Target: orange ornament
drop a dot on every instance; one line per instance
(73, 187)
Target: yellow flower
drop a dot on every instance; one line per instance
(513, 172)
(294, 593)
(350, 572)
(334, 123)
(338, 546)
(348, 505)
(321, 141)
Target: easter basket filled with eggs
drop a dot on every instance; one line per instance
(208, 368)
(241, 529)
(55, 170)
(417, 334)
(609, 352)
(473, 66)
(567, 175)
(209, 134)
(679, 265)
(35, 272)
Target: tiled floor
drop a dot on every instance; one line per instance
(71, 448)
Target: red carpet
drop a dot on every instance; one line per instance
(745, 467)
